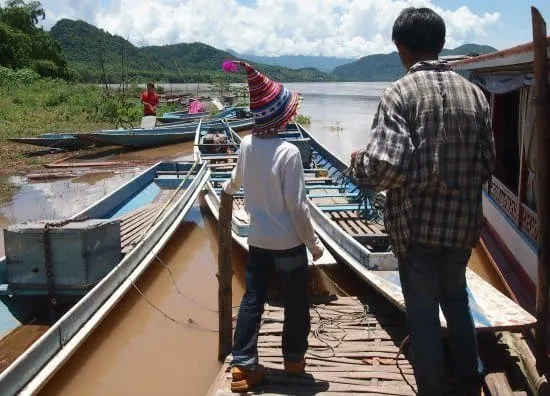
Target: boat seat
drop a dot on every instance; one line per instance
(319, 180)
(323, 187)
(332, 195)
(339, 208)
(239, 193)
(211, 157)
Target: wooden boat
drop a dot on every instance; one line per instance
(178, 116)
(148, 210)
(174, 132)
(511, 228)
(364, 245)
(55, 140)
(221, 158)
(157, 136)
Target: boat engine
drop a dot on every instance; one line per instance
(215, 143)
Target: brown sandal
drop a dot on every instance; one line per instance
(244, 379)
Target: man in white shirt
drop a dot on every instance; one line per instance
(271, 173)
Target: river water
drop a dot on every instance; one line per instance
(136, 351)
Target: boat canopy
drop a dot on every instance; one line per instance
(500, 72)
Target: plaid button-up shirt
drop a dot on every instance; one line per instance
(431, 148)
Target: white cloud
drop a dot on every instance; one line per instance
(347, 28)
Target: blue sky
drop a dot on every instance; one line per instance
(343, 28)
(515, 24)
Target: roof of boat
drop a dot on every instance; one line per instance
(515, 58)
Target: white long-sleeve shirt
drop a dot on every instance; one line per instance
(272, 176)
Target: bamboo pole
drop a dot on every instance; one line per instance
(225, 273)
(542, 186)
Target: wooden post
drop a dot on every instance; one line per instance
(225, 275)
(542, 186)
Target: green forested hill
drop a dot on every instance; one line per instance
(86, 46)
(388, 67)
(90, 50)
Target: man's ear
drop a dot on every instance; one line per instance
(404, 54)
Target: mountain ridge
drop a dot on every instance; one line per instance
(388, 67)
(96, 54)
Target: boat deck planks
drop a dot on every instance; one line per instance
(352, 357)
(135, 223)
(354, 225)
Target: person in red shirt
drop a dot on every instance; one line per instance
(150, 100)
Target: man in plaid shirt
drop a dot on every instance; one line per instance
(431, 148)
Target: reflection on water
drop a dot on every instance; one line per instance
(58, 199)
(341, 113)
(92, 177)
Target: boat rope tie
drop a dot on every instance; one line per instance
(402, 346)
(178, 290)
(318, 332)
(190, 323)
(50, 275)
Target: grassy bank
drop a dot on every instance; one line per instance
(30, 108)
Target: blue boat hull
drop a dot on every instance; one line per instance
(143, 138)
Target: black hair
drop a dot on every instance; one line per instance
(150, 84)
(419, 30)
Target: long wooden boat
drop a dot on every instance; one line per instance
(221, 159)
(364, 245)
(156, 136)
(148, 210)
(66, 141)
(174, 132)
(511, 227)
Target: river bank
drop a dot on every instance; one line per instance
(28, 110)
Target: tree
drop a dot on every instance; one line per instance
(24, 45)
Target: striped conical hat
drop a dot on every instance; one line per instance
(271, 104)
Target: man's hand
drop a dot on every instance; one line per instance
(317, 252)
(225, 186)
(353, 157)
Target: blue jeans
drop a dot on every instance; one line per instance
(433, 276)
(292, 266)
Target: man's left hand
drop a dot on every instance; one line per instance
(353, 157)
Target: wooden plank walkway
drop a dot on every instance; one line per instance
(350, 351)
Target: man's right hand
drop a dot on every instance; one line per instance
(317, 252)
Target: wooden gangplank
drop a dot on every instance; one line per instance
(351, 351)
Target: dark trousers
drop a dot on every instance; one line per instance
(433, 277)
(292, 265)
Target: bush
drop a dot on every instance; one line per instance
(46, 68)
(10, 77)
(56, 99)
(302, 119)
